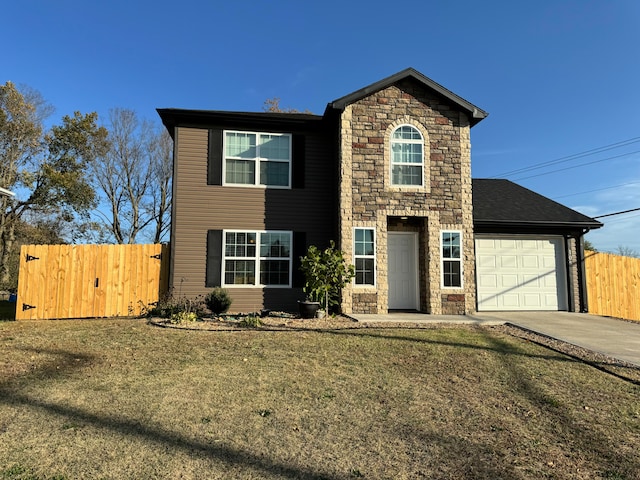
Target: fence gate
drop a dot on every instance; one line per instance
(85, 281)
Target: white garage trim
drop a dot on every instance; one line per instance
(521, 272)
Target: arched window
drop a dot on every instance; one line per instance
(407, 156)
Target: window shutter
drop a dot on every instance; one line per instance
(298, 161)
(299, 250)
(214, 170)
(214, 258)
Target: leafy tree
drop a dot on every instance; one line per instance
(47, 169)
(134, 180)
(326, 273)
(589, 246)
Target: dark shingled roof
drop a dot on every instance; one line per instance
(504, 203)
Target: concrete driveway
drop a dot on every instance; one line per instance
(612, 337)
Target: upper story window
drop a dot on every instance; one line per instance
(407, 157)
(257, 159)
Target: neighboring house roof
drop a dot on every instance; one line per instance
(504, 203)
(475, 114)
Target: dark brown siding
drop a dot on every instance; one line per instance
(199, 207)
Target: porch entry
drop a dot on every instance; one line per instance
(402, 252)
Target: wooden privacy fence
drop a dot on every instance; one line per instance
(84, 281)
(613, 285)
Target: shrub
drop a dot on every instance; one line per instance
(250, 321)
(218, 300)
(168, 306)
(326, 273)
(183, 317)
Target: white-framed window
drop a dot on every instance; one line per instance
(451, 258)
(254, 258)
(257, 159)
(364, 254)
(407, 157)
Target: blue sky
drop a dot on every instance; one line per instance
(558, 78)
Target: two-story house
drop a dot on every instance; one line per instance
(386, 173)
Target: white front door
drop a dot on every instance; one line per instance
(403, 270)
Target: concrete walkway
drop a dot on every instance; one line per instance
(612, 337)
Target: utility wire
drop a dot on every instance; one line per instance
(620, 220)
(586, 153)
(617, 213)
(576, 166)
(596, 190)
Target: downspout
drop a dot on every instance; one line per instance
(567, 259)
(584, 295)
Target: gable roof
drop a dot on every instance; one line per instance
(475, 114)
(504, 203)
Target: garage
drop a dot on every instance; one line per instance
(521, 272)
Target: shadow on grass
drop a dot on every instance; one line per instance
(67, 362)
(504, 348)
(473, 458)
(588, 441)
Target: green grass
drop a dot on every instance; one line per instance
(7, 310)
(123, 399)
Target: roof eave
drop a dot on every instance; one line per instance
(172, 117)
(538, 224)
(476, 114)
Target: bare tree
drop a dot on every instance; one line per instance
(272, 105)
(124, 176)
(134, 180)
(627, 252)
(159, 206)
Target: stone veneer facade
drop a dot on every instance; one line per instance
(444, 202)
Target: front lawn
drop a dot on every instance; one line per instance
(120, 399)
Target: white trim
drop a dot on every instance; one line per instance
(257, 160)
(409, 142)
(460, 260)
(374, 256)
(256, 259)
(8, 193)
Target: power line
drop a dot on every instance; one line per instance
(596, 190)
(617, 213)
(568, 158)
(620, 220)
(576, 166)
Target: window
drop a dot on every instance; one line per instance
(364, 253)
(257, 258)
(407, 157)
(451, 259)
(257, 159)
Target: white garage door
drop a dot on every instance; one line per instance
(520, 273)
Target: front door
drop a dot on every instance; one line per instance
(403, 270)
